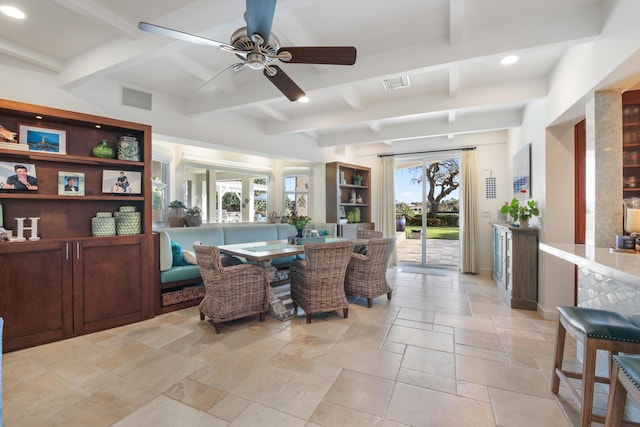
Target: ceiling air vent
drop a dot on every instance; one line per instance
(397, 83)
(135, 98)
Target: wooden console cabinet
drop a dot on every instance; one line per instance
(341, 189)
(515, 265)
(70, 283)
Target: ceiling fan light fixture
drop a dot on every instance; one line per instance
(509, 60)
(12, 12)
(303, 99)
(396, 83)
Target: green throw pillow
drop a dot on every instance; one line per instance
(176, 250)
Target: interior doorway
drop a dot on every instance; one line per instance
(427, 210)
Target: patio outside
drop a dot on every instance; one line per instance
(440, 252)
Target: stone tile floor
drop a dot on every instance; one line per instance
(445, 351)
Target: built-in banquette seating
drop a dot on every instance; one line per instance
(178, 283)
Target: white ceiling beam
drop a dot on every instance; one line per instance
(577, 24)
(456, 21)
(374, 126)
(351, 98)
(421, 105)
(481, 122)
(121, 53)
(32, 56)
(454, 79)
(272, 112)
(190, 65)
(97, 12)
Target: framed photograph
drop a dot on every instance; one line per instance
(121, 182)
(70, 183)
(18, 177)
(47, 140)
(342, 213)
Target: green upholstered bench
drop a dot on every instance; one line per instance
(175, 278)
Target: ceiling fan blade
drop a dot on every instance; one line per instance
(179, 35)
(284, 83)
(336, 55)
(223, 77)
(260, 17)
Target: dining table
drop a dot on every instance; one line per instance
(263, 253)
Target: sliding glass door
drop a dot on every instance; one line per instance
(427, 210)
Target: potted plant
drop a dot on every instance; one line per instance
(194, 217)
(176, 216)
(357, 179)
(521, 212)
(401, 217)
(299, 222)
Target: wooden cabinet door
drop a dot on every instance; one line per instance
(111, 286)
(35, 293)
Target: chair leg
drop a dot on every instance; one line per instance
(617, 399)
(369, 302)
(588, 382)
(263, 316)
(308, 318)
(557, 358)
(216, 326)
(345, 312)
(201, 316)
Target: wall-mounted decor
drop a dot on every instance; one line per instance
(121, 182)
(70, 183)
(18, 176)
(38, 138)
(522, 173)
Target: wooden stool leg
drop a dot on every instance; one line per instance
(558, 356)
(588, 381)
(617, 399)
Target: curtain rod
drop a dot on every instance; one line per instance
(428, 152)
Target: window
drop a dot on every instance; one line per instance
(159, 189)
(296, 194)
(226, 193)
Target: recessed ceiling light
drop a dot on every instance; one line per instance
(303, 99)
(509, 59)
(13, 12)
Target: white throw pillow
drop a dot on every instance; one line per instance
(189, 257)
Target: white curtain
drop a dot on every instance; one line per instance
(386, 201)
(468, 221)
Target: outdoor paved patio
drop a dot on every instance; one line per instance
(443, 253)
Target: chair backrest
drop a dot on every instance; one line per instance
(368, 234)
(328, 259)
(208, 258)
(379, 252)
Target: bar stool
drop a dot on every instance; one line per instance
(597, 330)
(625, 379)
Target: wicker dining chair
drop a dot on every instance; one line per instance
(368, 234)
(317, 282)
(231, 292)
(366, 274)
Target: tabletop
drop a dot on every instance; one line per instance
(268, 250)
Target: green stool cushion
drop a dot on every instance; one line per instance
(601, 324)
(630, 365)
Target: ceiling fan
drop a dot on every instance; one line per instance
(258, 48)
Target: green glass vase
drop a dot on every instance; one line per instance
(104, 150)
